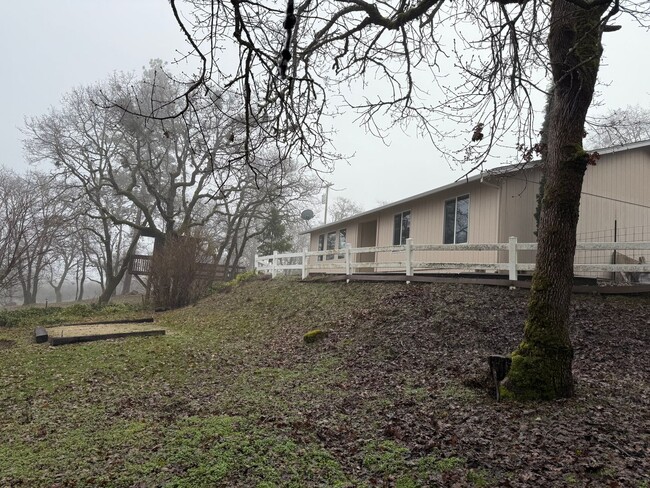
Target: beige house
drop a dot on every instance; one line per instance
(490, 207)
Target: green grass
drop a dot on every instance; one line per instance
(231, 396)
(52, 315)
(191, 408)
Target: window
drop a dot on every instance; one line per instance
(321, 245)
(456, 220)
(331, 244)
(342, 241)
(402, 228)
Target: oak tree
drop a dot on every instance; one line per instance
(294, 61)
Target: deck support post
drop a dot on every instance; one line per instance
(512, 258)
(348, 263)
(274, 264)
(305, 273)
(409, 258)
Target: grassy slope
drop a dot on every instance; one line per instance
(233, 397)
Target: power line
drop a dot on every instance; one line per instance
(592, 194)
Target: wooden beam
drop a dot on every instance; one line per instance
(523, 284)
(58, 341)
(40, 335)
(144, 320)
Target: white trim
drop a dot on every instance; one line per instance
(512, 265)
(622, 147)
(444, 216)
(401, 226)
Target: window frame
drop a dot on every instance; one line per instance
(342, 232)
(455, 199)
(333, 233)
(402, 238)
(321, 245)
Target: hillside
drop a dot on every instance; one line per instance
(393, 396)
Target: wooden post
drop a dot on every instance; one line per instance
(512, 259)
(409, 259)
(255, 262)
(348, 264)
(274, 263)
(305, 273)
(40, 335)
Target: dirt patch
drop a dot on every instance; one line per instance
(97, 329)
(6, 344)
(87, 333)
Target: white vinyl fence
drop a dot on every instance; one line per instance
(279, 263)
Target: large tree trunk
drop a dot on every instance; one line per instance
(113, 280)
(126, 286)
(29, 297)
(541, 365)
(81, 277)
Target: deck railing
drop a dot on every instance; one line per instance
(140, 265)
(301, 261)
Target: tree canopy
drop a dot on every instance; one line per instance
(293, 61)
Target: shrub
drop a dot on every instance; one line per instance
(177, 276)
(6, 320)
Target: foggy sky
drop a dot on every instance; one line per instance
(51, 46)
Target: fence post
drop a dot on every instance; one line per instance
(274, 264)
(512, 258)
(305, 273)
(409, 258)
(348, 264)
(255, 263)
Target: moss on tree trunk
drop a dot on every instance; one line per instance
(541, 365)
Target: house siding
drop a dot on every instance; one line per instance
(615, 194)
(615, 190)
(427, 222)
(517, 211)
(351, 237)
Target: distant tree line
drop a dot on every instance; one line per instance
(109, 176)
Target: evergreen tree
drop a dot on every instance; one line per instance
(274, 236)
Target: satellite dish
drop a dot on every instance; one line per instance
(307, 214)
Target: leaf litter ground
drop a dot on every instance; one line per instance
(395, 395)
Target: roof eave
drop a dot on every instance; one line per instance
(498, 171)
(397, 203)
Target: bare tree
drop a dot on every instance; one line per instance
(290, 61)
(343, 208)
(108, 249)
(48, 224)
(15, 220)
(245, 209)
(618, 127)
(62, 262)
(160, 178)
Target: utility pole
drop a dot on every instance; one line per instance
(327, 193)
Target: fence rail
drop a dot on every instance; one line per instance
(276, 262)
(140, 265)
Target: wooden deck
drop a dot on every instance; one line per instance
(581, 286)
(140, 265)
